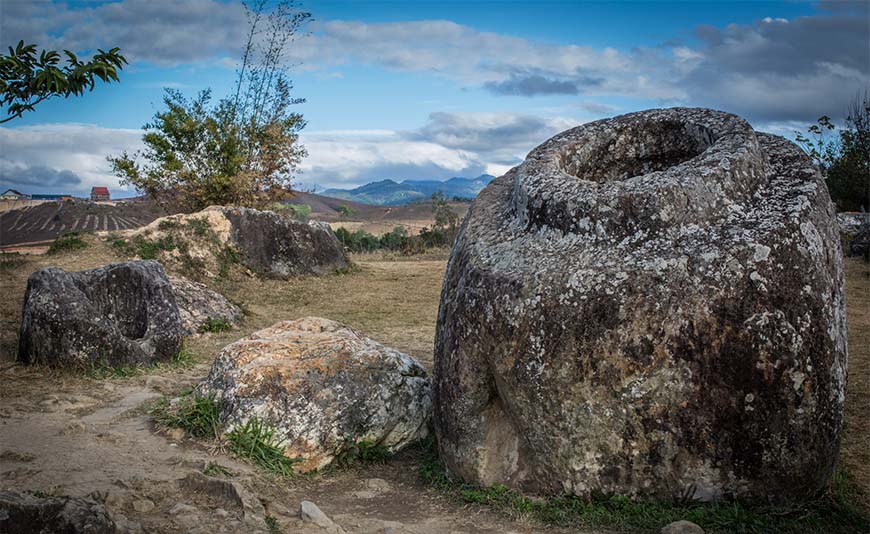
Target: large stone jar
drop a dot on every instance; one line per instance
(649, 305)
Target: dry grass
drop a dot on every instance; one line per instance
(855, 452)
(394, 302)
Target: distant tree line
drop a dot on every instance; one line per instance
(441, 234)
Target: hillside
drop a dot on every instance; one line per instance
(38, 224)
(391, 193)
(373, 219)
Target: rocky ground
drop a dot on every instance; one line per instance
(76, 435)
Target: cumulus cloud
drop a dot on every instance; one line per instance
(71, 158)
(62, 158)
(500, 63)
(503, 138)
(778, 69)
(449, 144)
(772, 69)
(163, 32)
(340, 158)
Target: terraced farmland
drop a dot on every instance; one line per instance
(39, 225)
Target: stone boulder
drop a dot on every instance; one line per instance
(119, 314)
(197, 304)
(21, 513)
(263, 241)
(859, 245)
(649, 305)
(324, 387)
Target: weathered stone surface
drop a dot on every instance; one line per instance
(682, 527)
(119, 314)
(265, 242)
(309, 512)
(197, 304)
(650, 305)
(21, 513)
(323, 386)
(281, 247)
(860, 243)
(850, 223)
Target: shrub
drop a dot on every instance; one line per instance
(68, 241)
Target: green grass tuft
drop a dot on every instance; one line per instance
(258, 442)
(272, 524)
(362, 453)
(197, 415)
(68, 241)
(215, 324)
(149, 250)
(199, 226)
(215, 470)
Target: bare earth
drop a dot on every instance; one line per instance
(72, 435)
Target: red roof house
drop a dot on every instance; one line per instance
(99, 194)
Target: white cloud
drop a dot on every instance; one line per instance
(501, 63)
(68, 156)
(72, 157)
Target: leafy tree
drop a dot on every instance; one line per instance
(844, 156)
(345, 211)
(241, 150)
(27, 79)
(445, 218)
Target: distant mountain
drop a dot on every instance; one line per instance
(391, 193)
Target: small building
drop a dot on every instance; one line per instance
(12, 194)
(100, 194)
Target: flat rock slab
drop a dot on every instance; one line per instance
(649, 305)
(324, 387)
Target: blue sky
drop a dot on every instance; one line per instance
(438, 89)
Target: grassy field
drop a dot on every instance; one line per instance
(394, 300)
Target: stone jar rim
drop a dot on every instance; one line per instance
(672, 164)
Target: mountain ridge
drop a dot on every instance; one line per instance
(391, 193)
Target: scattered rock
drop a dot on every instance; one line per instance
(391, 527)
(182, 508)
(263, 241)
(322, 385)
(125, 526)
(120, 314)
(682, 527)
(197, 304)
(309, 512)
(231, 493)
(143, 506)
(175, 434)
(650, 305)
(22, 513)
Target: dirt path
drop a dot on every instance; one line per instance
(72, 436)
